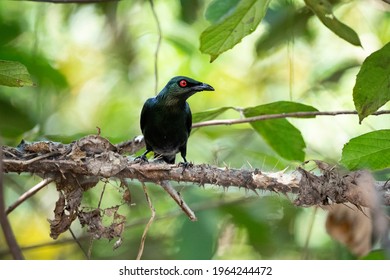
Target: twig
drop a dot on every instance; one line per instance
(178, 199)
(5, 225)
(131, 146)
(158, 44)
(305, 252)
(27, 162)
(28, 194)
(281, 116)
(78, 243)
(143, 238)
(101, 195)
(89, 253)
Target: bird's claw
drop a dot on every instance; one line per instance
(185, 165)
(141, 159)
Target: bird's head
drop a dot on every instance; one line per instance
(180, 88)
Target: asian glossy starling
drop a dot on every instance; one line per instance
(166, 119)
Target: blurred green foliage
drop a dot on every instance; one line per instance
(93, 66)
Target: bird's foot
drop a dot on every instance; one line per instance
(141, 159)
(185, 165)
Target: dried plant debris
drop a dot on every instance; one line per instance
(101, 159)
(42, 147)
(68, 208)
(131, 146)
(350, 226)
(359, 229)
(355, 215)
(65, 212)
(93, 220)
(335, 185)
(77, 150)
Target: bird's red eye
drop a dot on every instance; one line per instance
(183, 83)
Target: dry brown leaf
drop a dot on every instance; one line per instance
(351, 227)
(94, 221)
(362, 222)
(65, 212)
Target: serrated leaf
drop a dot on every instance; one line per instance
(323, 10)
(209, 114)
(279, 107)
(372, 87)
(284, 138)
(14, 74)
(228, 32)
(370, 150)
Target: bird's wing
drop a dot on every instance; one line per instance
(189, 118)
(145, 113)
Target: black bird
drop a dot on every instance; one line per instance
(166, 119)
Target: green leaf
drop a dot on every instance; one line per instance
(209, 114)
(278, 107)
(376, 255)
(323, 10)
(370, 150)
(337, 71)
(14, 74)
(13, 121)
(189, 10)
(229, 31)
(285, 24)
(372, 87)
(220, 8)
(196, 241)
(266, 221)
(284, 138)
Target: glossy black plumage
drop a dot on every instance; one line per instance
(166, 119)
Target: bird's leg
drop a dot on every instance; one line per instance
(185, 164)
(183, 153)
(142, 158)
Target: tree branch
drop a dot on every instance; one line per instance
(83, 162)
(79, 166)
(281, 116)
(179, 200)
(28, 194)
(5, 225)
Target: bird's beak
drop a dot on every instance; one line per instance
(203, 87)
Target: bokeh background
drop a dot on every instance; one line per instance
(93, 66)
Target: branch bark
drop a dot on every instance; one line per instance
(80, 165)
(85, 161)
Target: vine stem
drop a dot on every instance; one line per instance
(151, 219)
(157, 46)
